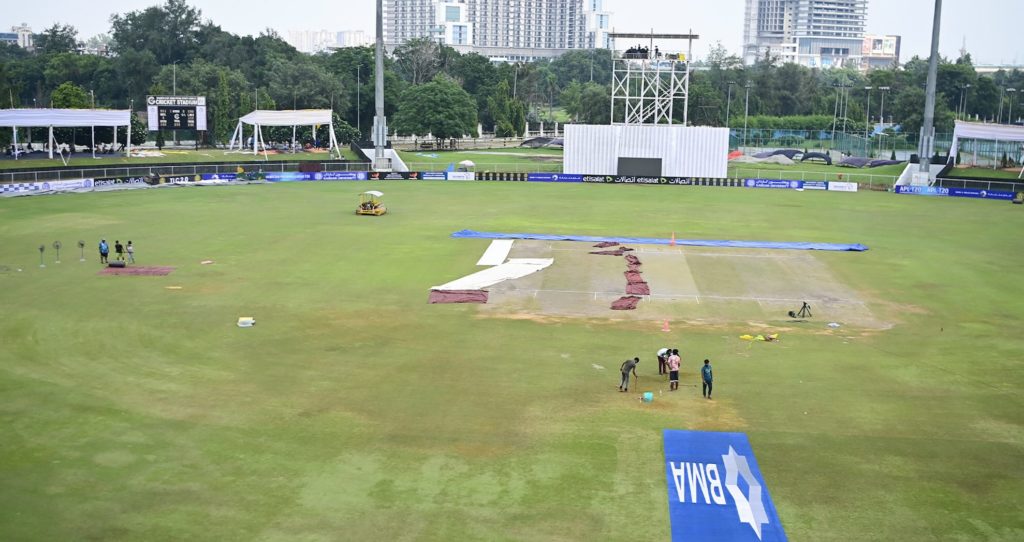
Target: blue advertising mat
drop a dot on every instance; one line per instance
(716, 491)
(836, 247)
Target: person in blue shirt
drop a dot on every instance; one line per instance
(705, 373)
(104, 250)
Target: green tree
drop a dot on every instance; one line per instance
(70, 96)
(345, 132)
(509, 115)
(135, 71)
(595, 104)
(587, 103)
(474, 72)
(569, 99)
(157, 90)
(594, 65)
(220, 85)
(222, 110)
(439, 107)
(720, 58)
(78, 69)
(169, 32)
(418, 60)
(59, 38)
(300, 84)
(139, 131)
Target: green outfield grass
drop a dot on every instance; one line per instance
(356, 411)
(169, 157)
(520, 159)
(885, 175)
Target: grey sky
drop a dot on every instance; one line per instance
(988, 25)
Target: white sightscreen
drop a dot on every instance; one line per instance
(685, 151)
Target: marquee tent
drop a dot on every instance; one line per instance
(987, 132)
(293, 118)
(66, 118)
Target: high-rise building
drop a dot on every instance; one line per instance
(880, 52)
(312, 41)
(814, 33)
(315, 41)
(353, 38)
(500, 29)
(597, 25)
(24, 36)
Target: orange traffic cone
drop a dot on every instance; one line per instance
(672, 242)
(664, 327)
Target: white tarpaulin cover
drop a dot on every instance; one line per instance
(64, 118)
(685, 151)
(513, 269)
(988, 132)
(300, 117)
(497, 253)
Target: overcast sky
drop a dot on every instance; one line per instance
(991, 27)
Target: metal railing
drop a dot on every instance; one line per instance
(72, 173)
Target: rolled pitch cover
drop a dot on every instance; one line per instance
(117, 263)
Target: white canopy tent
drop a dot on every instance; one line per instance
(988, 132)
(67, 118)
(293, 118)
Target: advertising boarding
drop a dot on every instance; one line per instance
(842, 187)
(716, 491)
(636, 179)
(291, 176)
(554, 178)
(955, 192)
(773, 183)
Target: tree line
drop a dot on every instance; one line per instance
(432, 88)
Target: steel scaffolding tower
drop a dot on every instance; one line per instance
(646, 83)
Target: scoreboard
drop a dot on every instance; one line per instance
(176, 112)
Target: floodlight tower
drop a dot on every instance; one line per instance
(927, 145)
(380, 123)
(647, 82)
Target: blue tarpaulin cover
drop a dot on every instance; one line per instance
(854, 161)
(837, 247)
